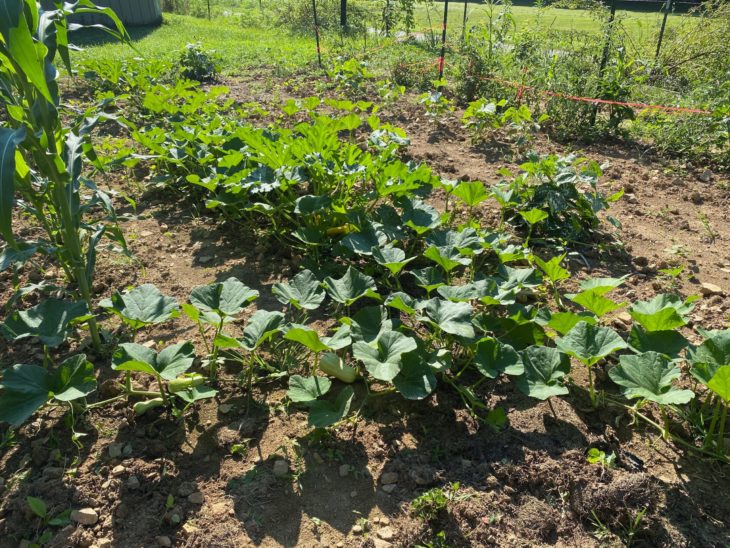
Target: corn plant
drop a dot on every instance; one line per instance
(41, 159)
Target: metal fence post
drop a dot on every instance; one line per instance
(443, 40)
(667, 9)
(316, 32)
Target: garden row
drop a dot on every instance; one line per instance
(412, 296)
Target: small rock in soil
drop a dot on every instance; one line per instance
(281, 468)
(386, 533)
(705, 176)
(133, 482)
(196, 498)
(118, 470)
(344, 470)
(389, 488)
(380, 543)
(389, 478)
(164, 541)
(186, 489)
(104, 543)
(357, 530)
(225, 408)
(115, 450)
(641, 261)
(710, 289)
(52, 472)
(85, 516)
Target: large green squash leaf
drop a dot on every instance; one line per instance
(323, 413)
(51, 321)
(169, 364)
(493, 358)
(353, 286)
(143, 305)
(221, 299)
(649, 376)
(545, 368)
(306, 389)
(382, 359)
(450, 317)
(662, 313)
(303, 291)
(590, 343)
(28, 387)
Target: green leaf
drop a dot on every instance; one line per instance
(303, 291)
(25, 389)
(401, 301)
(9, 140)
(197, 393)
(563, 322)
(323, 413)
(226, 298)
(28, 387)
(392, 258)
(341, 339)
(29, 56)
(306, 336)
(51, 321)
(143, 305)
(450, 317)
(420, 216)
(552, 268)
(590, 343)
(428, 278)
(662, 313)
(353, 286)
(545, 368)
(601, 286)
(169, 364)
(38, 507)
(710, 356)
(383, 358)
(261, 327)
(74, 379)
(649, 376)
(534, 216)
(304, 389)
(720, 383)
(472, 193)
(369, 323)
(594, 301)
(446, 257)
(668, 343)
(416, 379)
(493, 358)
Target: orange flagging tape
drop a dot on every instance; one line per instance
(522, 88)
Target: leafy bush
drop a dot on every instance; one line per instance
(297, 16)
(199, 64)
(557, 199)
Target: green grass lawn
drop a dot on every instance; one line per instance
(239, 47)
(641, 26)
(249, 46)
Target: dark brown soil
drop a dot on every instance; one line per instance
(528, 484)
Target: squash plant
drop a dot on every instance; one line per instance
(41, 159)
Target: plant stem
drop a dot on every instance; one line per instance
(105, 402)
(713, 423)
(591, 390)
(721, 432)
